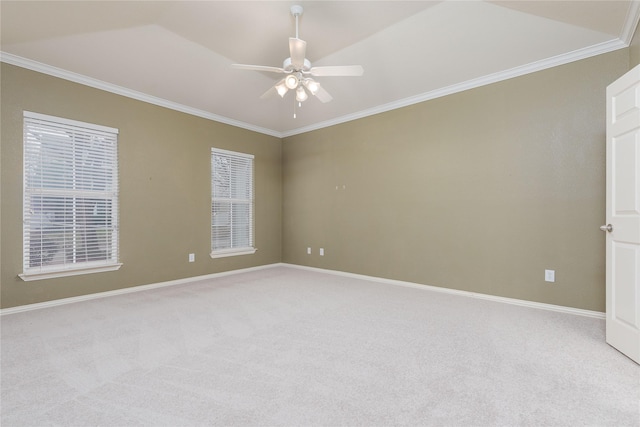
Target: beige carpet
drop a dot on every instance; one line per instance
(284, 346)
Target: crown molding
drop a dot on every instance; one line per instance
(631, 22)
(544, 64)
(119, 90)
(633, 17)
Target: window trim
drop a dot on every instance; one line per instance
(245, 250)
(222, 253)
(87, 267)
(28, 277)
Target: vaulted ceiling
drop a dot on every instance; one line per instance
(178, 54)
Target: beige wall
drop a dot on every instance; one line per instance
(481, 190)
(634, 50)
(164, 160)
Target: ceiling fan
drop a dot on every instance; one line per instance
(298, 70)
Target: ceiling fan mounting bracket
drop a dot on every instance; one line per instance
(296, 10)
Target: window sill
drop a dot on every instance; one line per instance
(233, 252)
(52, 274)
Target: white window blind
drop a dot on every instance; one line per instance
(231, 203)
(70, 216)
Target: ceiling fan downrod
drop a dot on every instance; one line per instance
(296, 11)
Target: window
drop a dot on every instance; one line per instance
(70, 205)
(231, 203)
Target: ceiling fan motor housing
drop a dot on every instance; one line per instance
(288, 67)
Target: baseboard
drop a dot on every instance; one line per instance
(141, 288)
(512, 301)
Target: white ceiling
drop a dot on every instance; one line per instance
(178, 53)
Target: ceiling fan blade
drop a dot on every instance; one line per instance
(297, 50)
(275, 89)
(323, 95)
(337, 70)
(258, 68)
(269, 93)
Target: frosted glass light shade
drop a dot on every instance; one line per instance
(291, 81)
(301, 94)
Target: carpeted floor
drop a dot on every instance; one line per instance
(284, 346)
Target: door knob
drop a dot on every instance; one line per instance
(607, 227)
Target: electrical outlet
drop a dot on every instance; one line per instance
(192, 257)
(308, 251)
(549, 275)
(321, 251)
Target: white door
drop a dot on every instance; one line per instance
(623, 214)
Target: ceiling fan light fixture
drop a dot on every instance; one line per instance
(297, 71)
(301, 94)
(312, 85)
(291, 81)
(282, 89)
